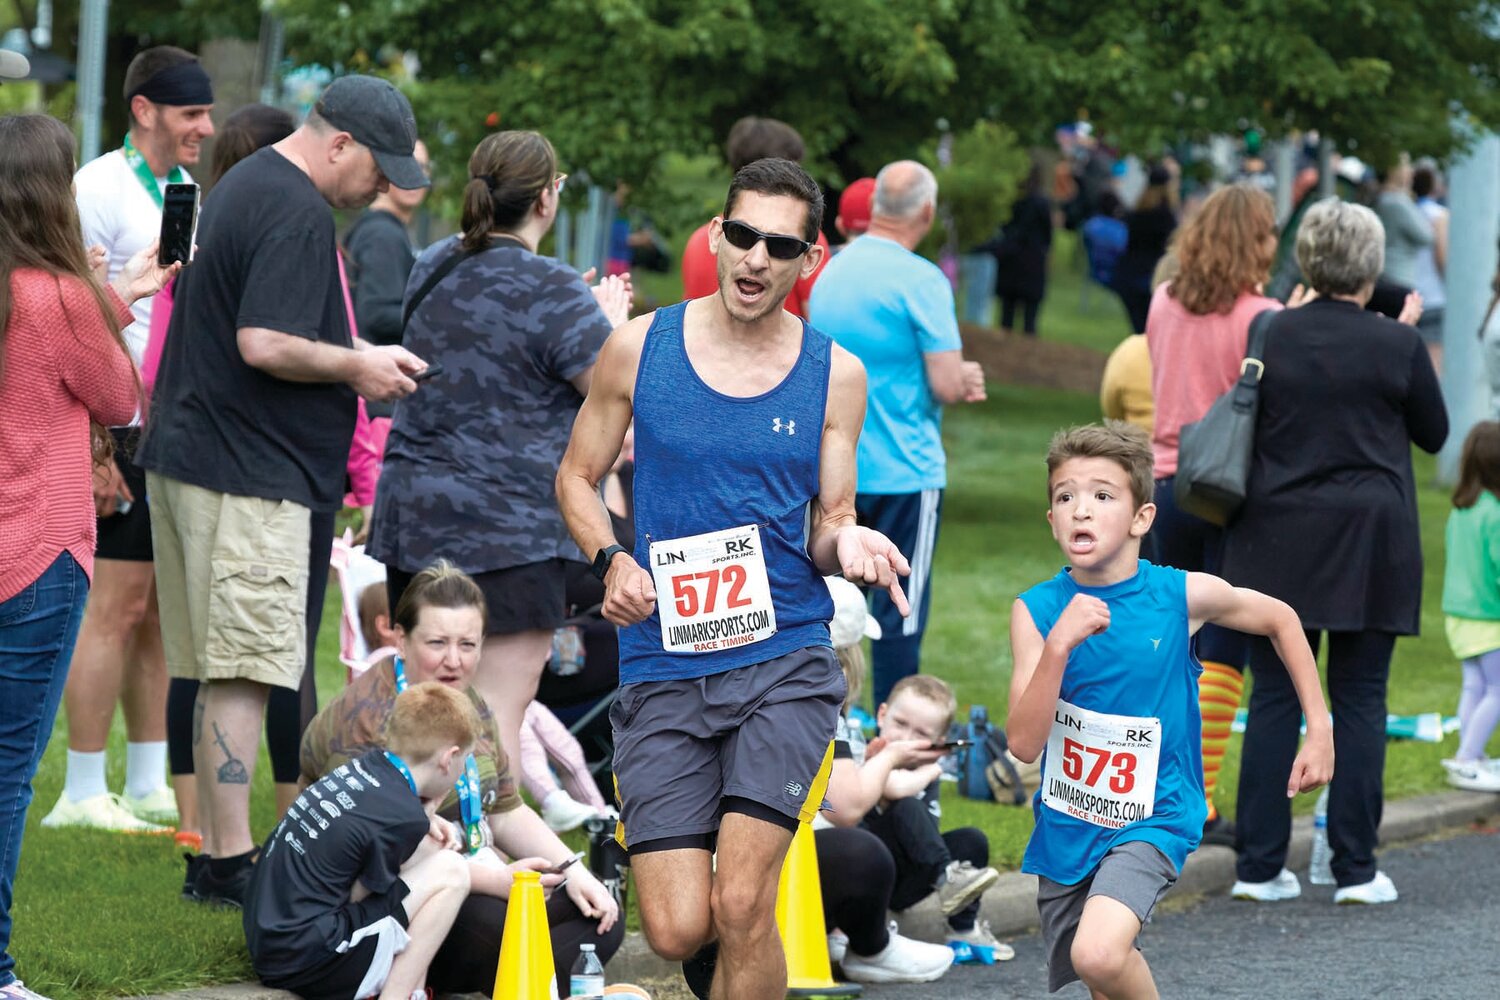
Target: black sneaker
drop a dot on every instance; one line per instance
(699, 970)
(196, 865)
(1219, 831)
(227, 891)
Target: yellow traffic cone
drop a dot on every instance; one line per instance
(799, 917)
(526, 970)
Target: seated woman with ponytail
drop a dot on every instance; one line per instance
(440, 627)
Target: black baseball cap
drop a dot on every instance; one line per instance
(379, 116)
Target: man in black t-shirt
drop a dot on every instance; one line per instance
(251, 420)
(359, 884)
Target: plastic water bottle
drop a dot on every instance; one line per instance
(587, 979)
(1318, 870)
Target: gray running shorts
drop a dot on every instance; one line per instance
(1134, 873)
(756, 739)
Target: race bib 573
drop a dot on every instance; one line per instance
(1101, 768)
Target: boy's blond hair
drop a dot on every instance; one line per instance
(429, 718)
(933, 689)
(1116, 440)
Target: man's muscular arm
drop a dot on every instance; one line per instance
(629, 595)
(836, 544)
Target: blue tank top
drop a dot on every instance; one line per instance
(706, 462)
(1143, 665)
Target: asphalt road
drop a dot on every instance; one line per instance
(1438, 941)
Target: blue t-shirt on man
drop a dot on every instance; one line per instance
(888, 307)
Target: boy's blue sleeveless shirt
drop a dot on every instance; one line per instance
(1143, 665)
(705, 462)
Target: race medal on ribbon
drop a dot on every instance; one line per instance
(712, 590)
(1101, 768)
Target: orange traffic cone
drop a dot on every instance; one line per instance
(799, 917)
(526, 968)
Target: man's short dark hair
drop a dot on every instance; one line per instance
(753, 138)
(774, 175)
(1423, 181)
(149, 62)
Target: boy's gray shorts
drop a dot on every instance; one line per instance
(756, 740)
(1134, 873)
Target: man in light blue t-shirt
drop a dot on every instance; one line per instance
(894, 310)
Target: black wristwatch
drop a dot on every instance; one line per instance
(602, 560)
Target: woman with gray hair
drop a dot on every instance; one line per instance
(1330, 527)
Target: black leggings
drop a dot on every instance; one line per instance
(288, 711)
(467, 959)
(1029, 309)
(922, 853)
(1359, 666)
(857, 874)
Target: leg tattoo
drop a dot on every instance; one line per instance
(232, 771)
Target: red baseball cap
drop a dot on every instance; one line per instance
(854, 206)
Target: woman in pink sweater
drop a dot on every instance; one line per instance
(64, 375)
(1196, 333)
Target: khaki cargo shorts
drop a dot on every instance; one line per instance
(231, 579)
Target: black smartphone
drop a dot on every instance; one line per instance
(563, 866)
(953, 745)
(427, 373)
(179, 224)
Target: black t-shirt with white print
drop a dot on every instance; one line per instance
(360, 822)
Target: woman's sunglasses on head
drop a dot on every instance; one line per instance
(780, 247)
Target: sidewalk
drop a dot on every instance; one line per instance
(1010, 906)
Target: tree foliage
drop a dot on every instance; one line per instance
(615, 83)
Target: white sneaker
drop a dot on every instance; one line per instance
(101, 812)
(962, 884)
(1473, 775)
(16, 990)
(1283, 886)
(838, 945)
(561, 812)
(979, 936)
(158, 806)
(902, 961)
(1379, 889)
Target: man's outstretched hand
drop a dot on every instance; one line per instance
(870, 559)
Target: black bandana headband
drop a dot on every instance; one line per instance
(183, 85)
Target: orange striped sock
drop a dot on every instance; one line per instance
(1219, 691)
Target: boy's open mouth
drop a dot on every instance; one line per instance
(1081, 542)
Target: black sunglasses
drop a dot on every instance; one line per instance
(781, 247)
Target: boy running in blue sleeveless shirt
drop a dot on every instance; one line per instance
(746, 423)
(1105, 689)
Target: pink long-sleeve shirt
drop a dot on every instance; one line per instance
(59, 367)
(1194, 361)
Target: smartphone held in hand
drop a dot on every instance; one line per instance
(179, 224)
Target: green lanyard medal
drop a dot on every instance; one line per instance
(143, 171)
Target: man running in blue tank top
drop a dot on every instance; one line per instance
(1106, 683)
(746, 422)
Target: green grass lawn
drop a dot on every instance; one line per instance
(99, 915)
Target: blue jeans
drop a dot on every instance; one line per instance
(37, 629)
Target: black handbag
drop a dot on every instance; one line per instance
(1214, 454)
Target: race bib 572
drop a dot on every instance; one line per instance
(712, 591)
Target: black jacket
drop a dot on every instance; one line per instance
(1330, 521)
